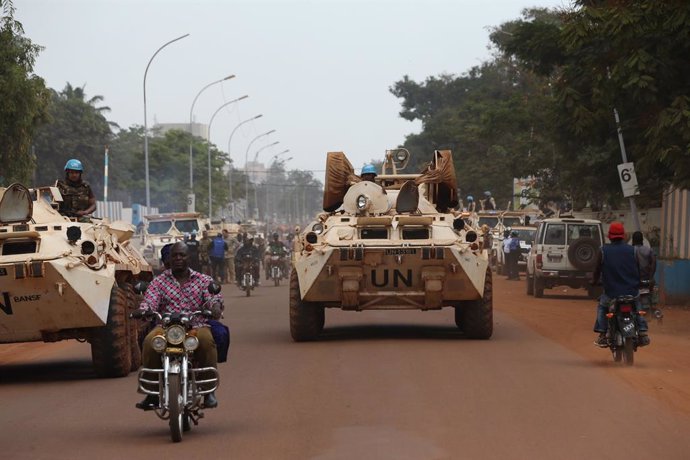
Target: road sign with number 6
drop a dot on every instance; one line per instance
(626, 173)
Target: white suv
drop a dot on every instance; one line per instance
(564, 253)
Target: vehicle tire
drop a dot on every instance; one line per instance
(628, 352)
(110, 344)
(538, 287)
(476, 316)
(530, 284)
(276, 280)
(136, 329)
(186, 423)
(583, 254)
(175, 407)
(248, 291)
(306, 319)
(617, 354)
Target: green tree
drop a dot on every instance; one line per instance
(24, 98)
(169, 171)
(628, 55)
(78, 129)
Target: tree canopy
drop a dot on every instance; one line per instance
(543, 105)
(24, 98)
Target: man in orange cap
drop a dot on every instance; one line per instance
(620, 275)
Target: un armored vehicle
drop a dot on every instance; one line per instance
(394, 243)
(62, 279)
(162, 229)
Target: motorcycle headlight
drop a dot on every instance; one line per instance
(175, 334)
(361, 202)
(191, 343)
(159, 343)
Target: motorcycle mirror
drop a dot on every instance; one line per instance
(214, 288)
(208, 313)
(140, 287)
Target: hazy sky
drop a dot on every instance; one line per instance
(318, 71)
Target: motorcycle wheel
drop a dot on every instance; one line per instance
(247, 291)
(186, 423)
(617, 354)
(175, 407)
(628, 352)
(276, 280)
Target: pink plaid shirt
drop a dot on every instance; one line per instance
(165, 295)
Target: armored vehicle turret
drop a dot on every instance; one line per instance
(391, 243)
(62, 279)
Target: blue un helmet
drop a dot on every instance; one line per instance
(369, 169)
(487, 193)
(470, 198)
(74, 165)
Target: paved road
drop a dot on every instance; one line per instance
(380, 385)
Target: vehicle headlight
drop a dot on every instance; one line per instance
(317, 228)
(175, 334)
(159, 343)
(191, 343)
(362, 202)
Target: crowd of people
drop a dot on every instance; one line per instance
(222, 256)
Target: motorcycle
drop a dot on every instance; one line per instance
(623, 336)
(177, 384)
(247, 274)
(275, 268)
(649, 299)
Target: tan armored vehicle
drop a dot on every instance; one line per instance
(162, 229)
(390, 244)
(61, 279)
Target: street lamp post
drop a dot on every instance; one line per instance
(275, 160)
(190, 198)
(210, 208)
(229, 155)
(246, 169)
(255, 211)
(146, 127)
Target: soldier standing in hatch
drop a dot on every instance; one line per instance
(78, 199)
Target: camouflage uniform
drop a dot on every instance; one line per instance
(204, 245)
(75, 197)
(230, 258)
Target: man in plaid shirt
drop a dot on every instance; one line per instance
(181, 289)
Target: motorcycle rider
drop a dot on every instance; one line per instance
(247, 248)
(176, 289)
(78, 199)
(617, 267)
(275, 247)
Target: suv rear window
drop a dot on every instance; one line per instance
(555, 234)
(580, 231)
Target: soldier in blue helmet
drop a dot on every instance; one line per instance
(368, 173)
(78, 199)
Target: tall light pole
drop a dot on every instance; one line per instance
(274, 158)
(146, 126)
(246, 169)
(229, 142)
(210, 208)
(256, 200)
(190, 199)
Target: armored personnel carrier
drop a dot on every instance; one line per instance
(162, 229)
(394, 243)
(61, 279)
